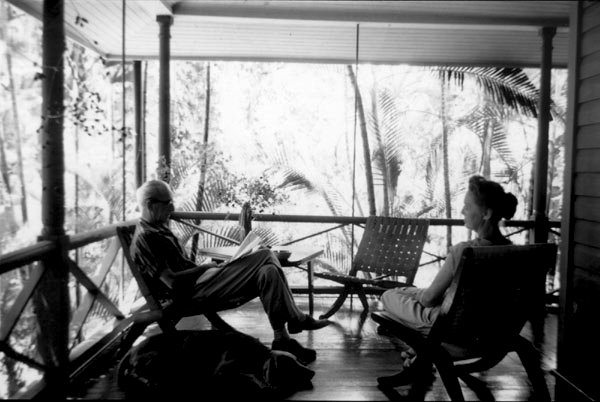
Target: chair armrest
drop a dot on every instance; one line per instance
(147, 316)
(347, 279)
(390, 284)
(411, 336)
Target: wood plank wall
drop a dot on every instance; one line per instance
(579, 346)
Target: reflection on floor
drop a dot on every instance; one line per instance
(351, 355)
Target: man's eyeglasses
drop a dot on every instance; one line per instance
(168, 202)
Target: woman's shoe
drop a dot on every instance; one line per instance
(405, 377)
(408, 375)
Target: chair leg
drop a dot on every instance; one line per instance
(531, 361)
(337, 304)
(132, 334)
(538, 317)
(419, 389)
(445, 368)
(537, 322)
(363, 297)
(478, 386)
(218, 322)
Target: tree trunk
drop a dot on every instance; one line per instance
(8, 220)
(203, 167)
(445, 164)
(4, 164)
(351, 153)
(140, 166)
(15, 112)
(486, 152)
(144, 110)
(365, 140)
(382, 158)
(553, 154)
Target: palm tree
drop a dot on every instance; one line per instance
(203, 163)
(487, 122)
(365, 142)
(5, 12)
(385, 126)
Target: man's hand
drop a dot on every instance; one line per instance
(211, 264)
(214, 264)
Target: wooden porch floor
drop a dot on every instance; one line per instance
(351, 355)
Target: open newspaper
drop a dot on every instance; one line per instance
(250, 243)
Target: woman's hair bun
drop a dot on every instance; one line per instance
(491, 194)
(510, 205)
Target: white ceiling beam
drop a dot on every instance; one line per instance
(447, 13)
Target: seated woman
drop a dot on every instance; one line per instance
(485, 204)
(223, 286)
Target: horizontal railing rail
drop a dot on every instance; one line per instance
(82, 239)
(527, 224)
(342, 221)
(26, 255)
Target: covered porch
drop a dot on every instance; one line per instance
(479, 34)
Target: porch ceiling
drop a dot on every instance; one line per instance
(499, 33)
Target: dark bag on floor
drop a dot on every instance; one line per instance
(196, 364)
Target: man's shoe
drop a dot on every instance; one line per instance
(309, 324)
(304, 355)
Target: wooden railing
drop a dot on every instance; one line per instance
(85, 351)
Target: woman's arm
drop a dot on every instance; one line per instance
(432, 295)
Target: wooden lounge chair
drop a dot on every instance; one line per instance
(494, 293)
(390, 250)
(160, 307)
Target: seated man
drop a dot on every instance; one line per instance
(221, 286)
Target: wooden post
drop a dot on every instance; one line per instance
(541, 161)
(51, 299)
(164, 99)
(245, 220)
(140, 137)
(540, 230)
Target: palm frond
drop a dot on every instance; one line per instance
(489, 117)
(502, 147)
(507, 86)
(470, 164)
(230, 230)
(295, 179)
(267, 236)
(181, 172)
(386, 128)
(108, 184)
(507, 175)
(337, 256)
